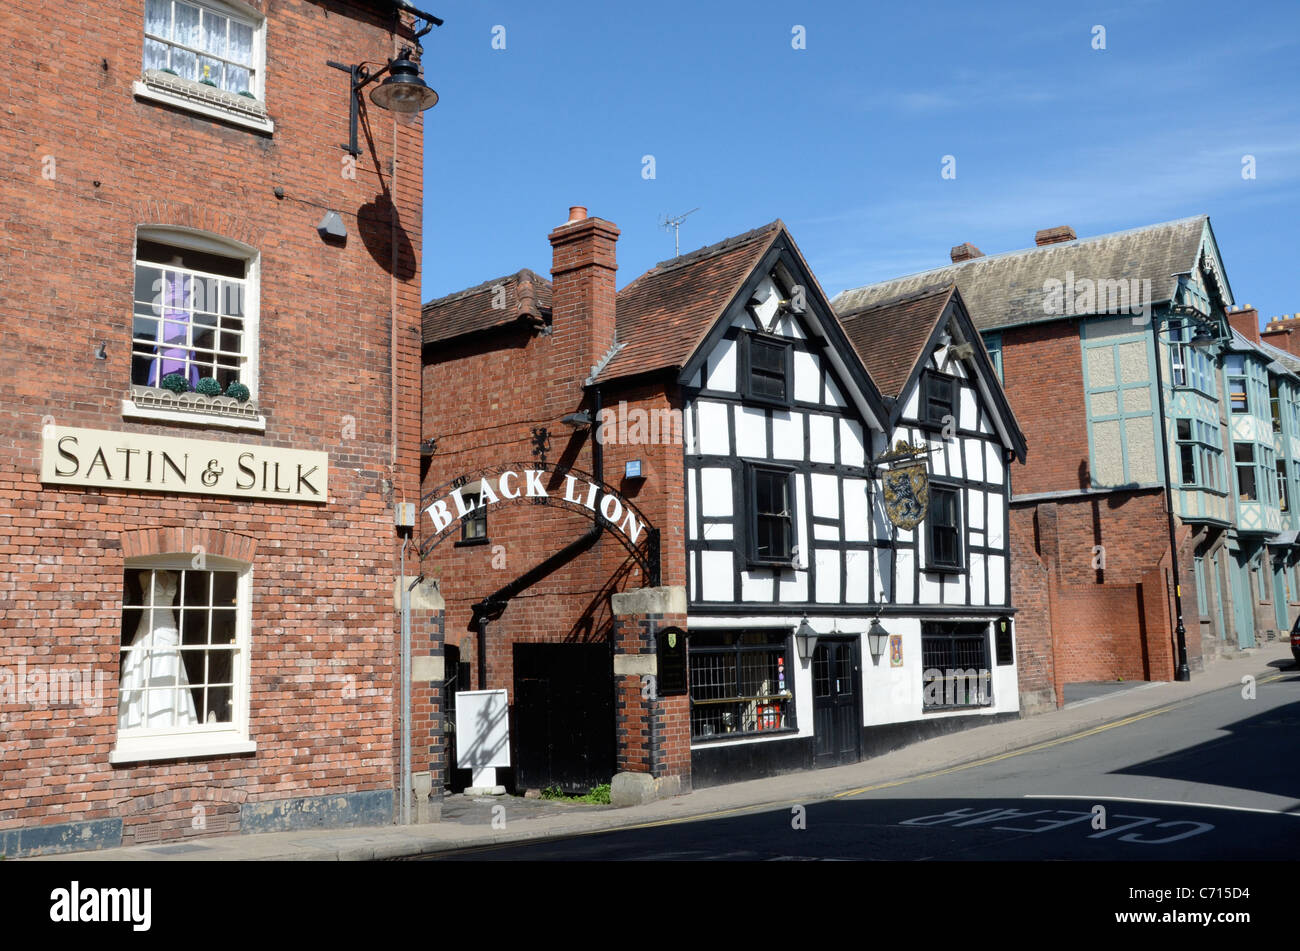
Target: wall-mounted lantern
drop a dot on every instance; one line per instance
(877, 638)
(805, 639)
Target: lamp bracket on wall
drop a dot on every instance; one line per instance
(402, 91)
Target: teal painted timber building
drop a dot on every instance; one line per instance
(1076, 327)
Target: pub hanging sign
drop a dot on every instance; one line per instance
(906, 483)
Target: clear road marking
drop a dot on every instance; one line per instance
(1167, 802)
(1038, 746)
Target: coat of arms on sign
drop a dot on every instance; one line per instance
(907, 487)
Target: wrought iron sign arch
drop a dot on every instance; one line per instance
(565, 487)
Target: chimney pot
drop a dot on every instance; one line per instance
(1054, 235)
(965, 252)
(577, 212)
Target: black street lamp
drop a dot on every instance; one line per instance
(401, 91)
(1200, 340)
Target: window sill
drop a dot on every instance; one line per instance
(150, 402)
(203, 100)
(751, 735)
(470, 542)
(140, 750)
(950, 707)
(944, 569)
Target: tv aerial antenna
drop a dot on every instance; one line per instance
(675, 223)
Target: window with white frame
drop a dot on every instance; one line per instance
(1244, 455)
(1200, 452)
(209, 42)
(1177, 353)
(182, 674)
(193, 325)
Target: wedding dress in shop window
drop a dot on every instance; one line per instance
(154, 661)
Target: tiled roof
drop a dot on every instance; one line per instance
(890, 335)
(665, 313)
(1289, 362)
(1006, 290)
(525, 296)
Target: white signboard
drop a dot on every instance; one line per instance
(106, 459)
(482, 729)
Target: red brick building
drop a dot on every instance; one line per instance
(211, 407)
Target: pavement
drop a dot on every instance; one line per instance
(481, 821)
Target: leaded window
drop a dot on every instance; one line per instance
(738, 683)
(955, 665)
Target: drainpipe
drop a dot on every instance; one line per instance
(406, 692)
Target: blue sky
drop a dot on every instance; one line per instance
(844, 140)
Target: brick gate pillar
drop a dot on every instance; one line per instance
(653, 732)
(428, 746)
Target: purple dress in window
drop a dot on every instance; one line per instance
(173, 329)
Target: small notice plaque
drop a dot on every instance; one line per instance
(1002, 637)
(671, 648)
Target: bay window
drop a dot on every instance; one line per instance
(1244, 455)
(1234, 368)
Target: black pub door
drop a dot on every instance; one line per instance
(837, 711)
(563, 716)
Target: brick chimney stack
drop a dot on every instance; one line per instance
(965, 252)
(1054, 235)
(583, 268)
(1245, 320)
(1283, 332)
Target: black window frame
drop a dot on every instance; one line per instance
(753, 473)
(938, 489)
(752, 340)
(779, 644)
(954, 641)
(930, 381)
(476, 517)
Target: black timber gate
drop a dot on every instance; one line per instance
(563, 716)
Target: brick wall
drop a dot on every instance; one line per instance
(322, 616)
(652, 734)
(508, 383)
(1042, 367)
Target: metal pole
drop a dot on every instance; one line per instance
(1183, 672)
(406, 692)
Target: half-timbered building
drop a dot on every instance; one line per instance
(749, 428)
